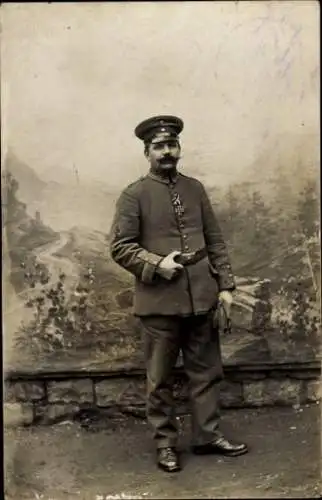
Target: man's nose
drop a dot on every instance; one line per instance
(166, 148)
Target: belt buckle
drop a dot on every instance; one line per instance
(188, 256)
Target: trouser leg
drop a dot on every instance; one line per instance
(161, 345)
(203, 366)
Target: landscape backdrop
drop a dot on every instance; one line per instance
(76, 80)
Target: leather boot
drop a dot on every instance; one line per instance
(168, 459)
(221, 446)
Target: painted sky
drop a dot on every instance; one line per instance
(77, 78)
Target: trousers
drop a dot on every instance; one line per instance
(198, 339)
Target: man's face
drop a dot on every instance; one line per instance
(164, 155)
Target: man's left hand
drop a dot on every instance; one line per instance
(226, 299)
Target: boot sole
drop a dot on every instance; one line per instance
(169, 470)
(219, 452)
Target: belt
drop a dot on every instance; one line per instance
(190, 258)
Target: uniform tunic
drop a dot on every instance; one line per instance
(155, 216)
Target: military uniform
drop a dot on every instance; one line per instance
(154, 216)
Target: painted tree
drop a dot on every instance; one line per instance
(308, 230)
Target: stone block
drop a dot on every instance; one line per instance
(110, 391)
(270, 392)
(16, 414)
(254, 393)
(285, 391)
(70, 391)
(51, 413)
(231, 394)
(9, 395)
(314, 391)
(24, 391)
(134, 393)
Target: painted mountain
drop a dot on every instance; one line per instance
(64, 201)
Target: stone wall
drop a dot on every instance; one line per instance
(49, 398)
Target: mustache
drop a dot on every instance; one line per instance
(169, 158)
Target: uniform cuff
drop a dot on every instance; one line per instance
(226, 282)
(151, 262)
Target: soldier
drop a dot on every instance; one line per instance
(166, 234)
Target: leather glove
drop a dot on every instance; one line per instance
(225, 299)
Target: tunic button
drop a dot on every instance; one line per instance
(186, 247)
(184, 236)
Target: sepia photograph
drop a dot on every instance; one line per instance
(161, 288)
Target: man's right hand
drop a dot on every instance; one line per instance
(168, 268)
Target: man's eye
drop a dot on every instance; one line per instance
(170, 144)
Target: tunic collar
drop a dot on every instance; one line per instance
(165, 180)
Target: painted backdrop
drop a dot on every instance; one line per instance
(76, 79)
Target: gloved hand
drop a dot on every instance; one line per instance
(168, 268)
(225, 298)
